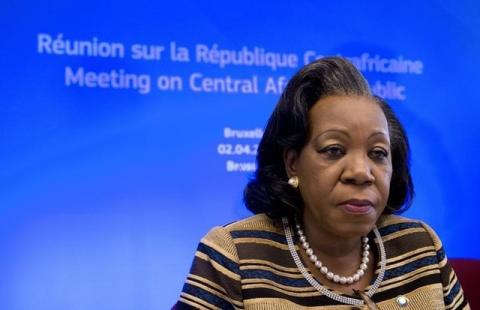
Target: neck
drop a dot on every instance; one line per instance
(329, 244)
(339, 254)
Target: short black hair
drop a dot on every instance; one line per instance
(288, 129)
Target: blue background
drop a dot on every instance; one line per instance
(104, 193)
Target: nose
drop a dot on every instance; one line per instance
(357, 170)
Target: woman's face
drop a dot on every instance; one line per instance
(345, 167)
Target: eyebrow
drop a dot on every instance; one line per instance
(379, 133)
(345, 133)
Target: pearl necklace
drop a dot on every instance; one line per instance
(323, 290)
(324, 270)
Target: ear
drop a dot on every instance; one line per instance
(290, 160)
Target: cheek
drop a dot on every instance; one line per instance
(318, 182)
(313, 169)
(384, 184)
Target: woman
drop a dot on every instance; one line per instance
(332, 171)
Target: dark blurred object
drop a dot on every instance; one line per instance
(468, 272)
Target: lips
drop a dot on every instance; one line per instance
(357, 206)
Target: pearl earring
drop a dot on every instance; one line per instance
(293, 181)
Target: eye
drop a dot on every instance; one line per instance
(378, 154)
(333, 151)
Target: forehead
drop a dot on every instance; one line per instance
(351, 113)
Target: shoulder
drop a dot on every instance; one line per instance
(256, 226)
(258, 222)
(223, 238)
(399, 223)
(408, 234)
(395, 223)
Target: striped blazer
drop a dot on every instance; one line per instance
(247, 265)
